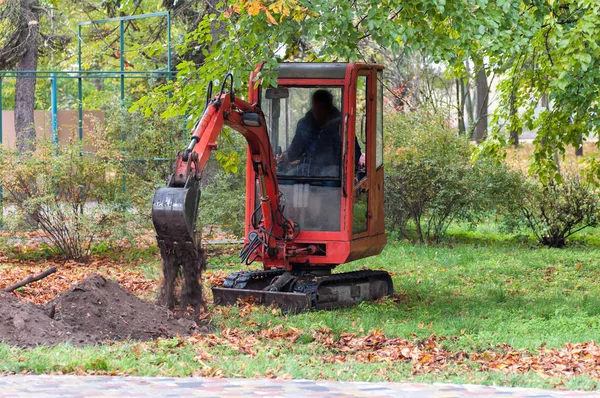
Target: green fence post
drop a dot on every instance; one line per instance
(79, 85)
(54, 109)
(1, 144)
(122, 61)
(122, 66)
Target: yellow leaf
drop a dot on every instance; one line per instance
(276, 7)
(426, 358)
(254, 8)
(298, 15)
(270, 18)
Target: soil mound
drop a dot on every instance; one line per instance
(102, 308)
(91, 311)
(26, 324)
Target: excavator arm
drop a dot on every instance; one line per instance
(175, 207)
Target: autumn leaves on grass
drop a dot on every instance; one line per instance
(426, 355)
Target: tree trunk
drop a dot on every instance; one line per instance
(469, 100)
(482, 105)
(191, 17)
(25, 86)
(514, 134)
(579, 149)
(460, 105)
(546, 104)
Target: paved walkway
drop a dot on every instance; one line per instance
(100, 386)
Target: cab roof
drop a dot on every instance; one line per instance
(312, 70)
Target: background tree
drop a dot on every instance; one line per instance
(536, 46)
(483, 90)
(553, 42)
(20, 18)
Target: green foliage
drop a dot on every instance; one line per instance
(232, 38)
(223, 199)
(539, 47)
(558, 62)
(431, 181)
(554, 212)
(148, 145)
(74, 197)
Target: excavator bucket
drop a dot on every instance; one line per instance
(174, 212)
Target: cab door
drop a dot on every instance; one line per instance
(362, 154)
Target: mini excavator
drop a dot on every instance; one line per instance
(314, 186)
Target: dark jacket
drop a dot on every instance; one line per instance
(320, 146)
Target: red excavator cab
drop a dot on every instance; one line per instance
(332, 180)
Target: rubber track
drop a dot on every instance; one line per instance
(239, 280)
(313, 286)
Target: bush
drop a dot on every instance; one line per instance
(103, 186)
(151, 145)
(74, 197)
(150, 148)
(223, 199)
(556, 211)
(431, 180)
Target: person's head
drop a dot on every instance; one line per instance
(322, 105)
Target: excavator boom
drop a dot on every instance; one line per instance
(175, 207)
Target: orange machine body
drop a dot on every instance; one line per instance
(349, 208)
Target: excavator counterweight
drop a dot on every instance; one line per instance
(314, 189)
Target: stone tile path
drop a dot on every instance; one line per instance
(101, 386)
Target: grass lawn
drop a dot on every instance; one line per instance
(464, 311)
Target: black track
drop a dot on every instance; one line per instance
(309, 283)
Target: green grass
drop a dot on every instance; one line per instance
(482, 289)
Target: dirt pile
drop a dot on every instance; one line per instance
(103, 308)
(27, 324)
(91, 311)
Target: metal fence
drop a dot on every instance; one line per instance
(80, 74)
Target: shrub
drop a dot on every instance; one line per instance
(431, 180)
(150, 149)
(495, 189)
(74, 197)
(223, 199)
(149, 146)
(556, 211)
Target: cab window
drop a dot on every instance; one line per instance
(305, 129)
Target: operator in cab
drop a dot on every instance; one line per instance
(316, 149)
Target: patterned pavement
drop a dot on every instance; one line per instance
(105, 386)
